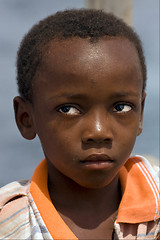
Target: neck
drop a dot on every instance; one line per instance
(61, 187)
(85, 209)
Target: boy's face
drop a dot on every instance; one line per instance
(87, 107)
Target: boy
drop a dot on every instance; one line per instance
(81, 76)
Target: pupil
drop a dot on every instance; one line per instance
(65, 109)
(120, 107)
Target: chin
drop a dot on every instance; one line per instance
(95, 183)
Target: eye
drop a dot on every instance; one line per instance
(69, 110)
(122, 108)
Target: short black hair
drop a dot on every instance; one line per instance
(82, 23)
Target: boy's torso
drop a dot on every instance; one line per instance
(20, 218)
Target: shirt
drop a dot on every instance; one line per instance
(27, 212)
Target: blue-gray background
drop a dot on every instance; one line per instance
(19, 157)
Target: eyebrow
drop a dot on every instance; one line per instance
(69, 96)
(84, 97)
(126, 94)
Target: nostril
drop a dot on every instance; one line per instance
(97, 140)
(89, 140)
(107, 140)
(97, 137)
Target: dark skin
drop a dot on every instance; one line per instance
(87, 111)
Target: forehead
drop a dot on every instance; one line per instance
(79, 49)
(72, 51)
(75, 60)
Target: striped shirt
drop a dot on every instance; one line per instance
(27, 212)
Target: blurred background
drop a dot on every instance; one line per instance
(19, 157)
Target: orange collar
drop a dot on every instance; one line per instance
(139, 201)
(39, 191)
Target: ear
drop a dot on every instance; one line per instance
(24, 118)
(141, 117)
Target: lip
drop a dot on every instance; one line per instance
(97, 161)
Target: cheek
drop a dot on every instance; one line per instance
(129, 126)
(57, 142)
(126, 137)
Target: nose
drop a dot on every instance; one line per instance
(97, 129)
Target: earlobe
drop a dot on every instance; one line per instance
(24, 118)
(141, 117)
(140, 129)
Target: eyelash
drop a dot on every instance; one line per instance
(127, 105)
(72, 110)
(64, 109)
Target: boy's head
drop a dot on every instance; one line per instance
(81, 77)
(91, 24)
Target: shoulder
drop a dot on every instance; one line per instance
(153, 162)
(13, 190)
(147, 164)
(14, 207)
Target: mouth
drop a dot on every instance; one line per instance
(97, 161)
